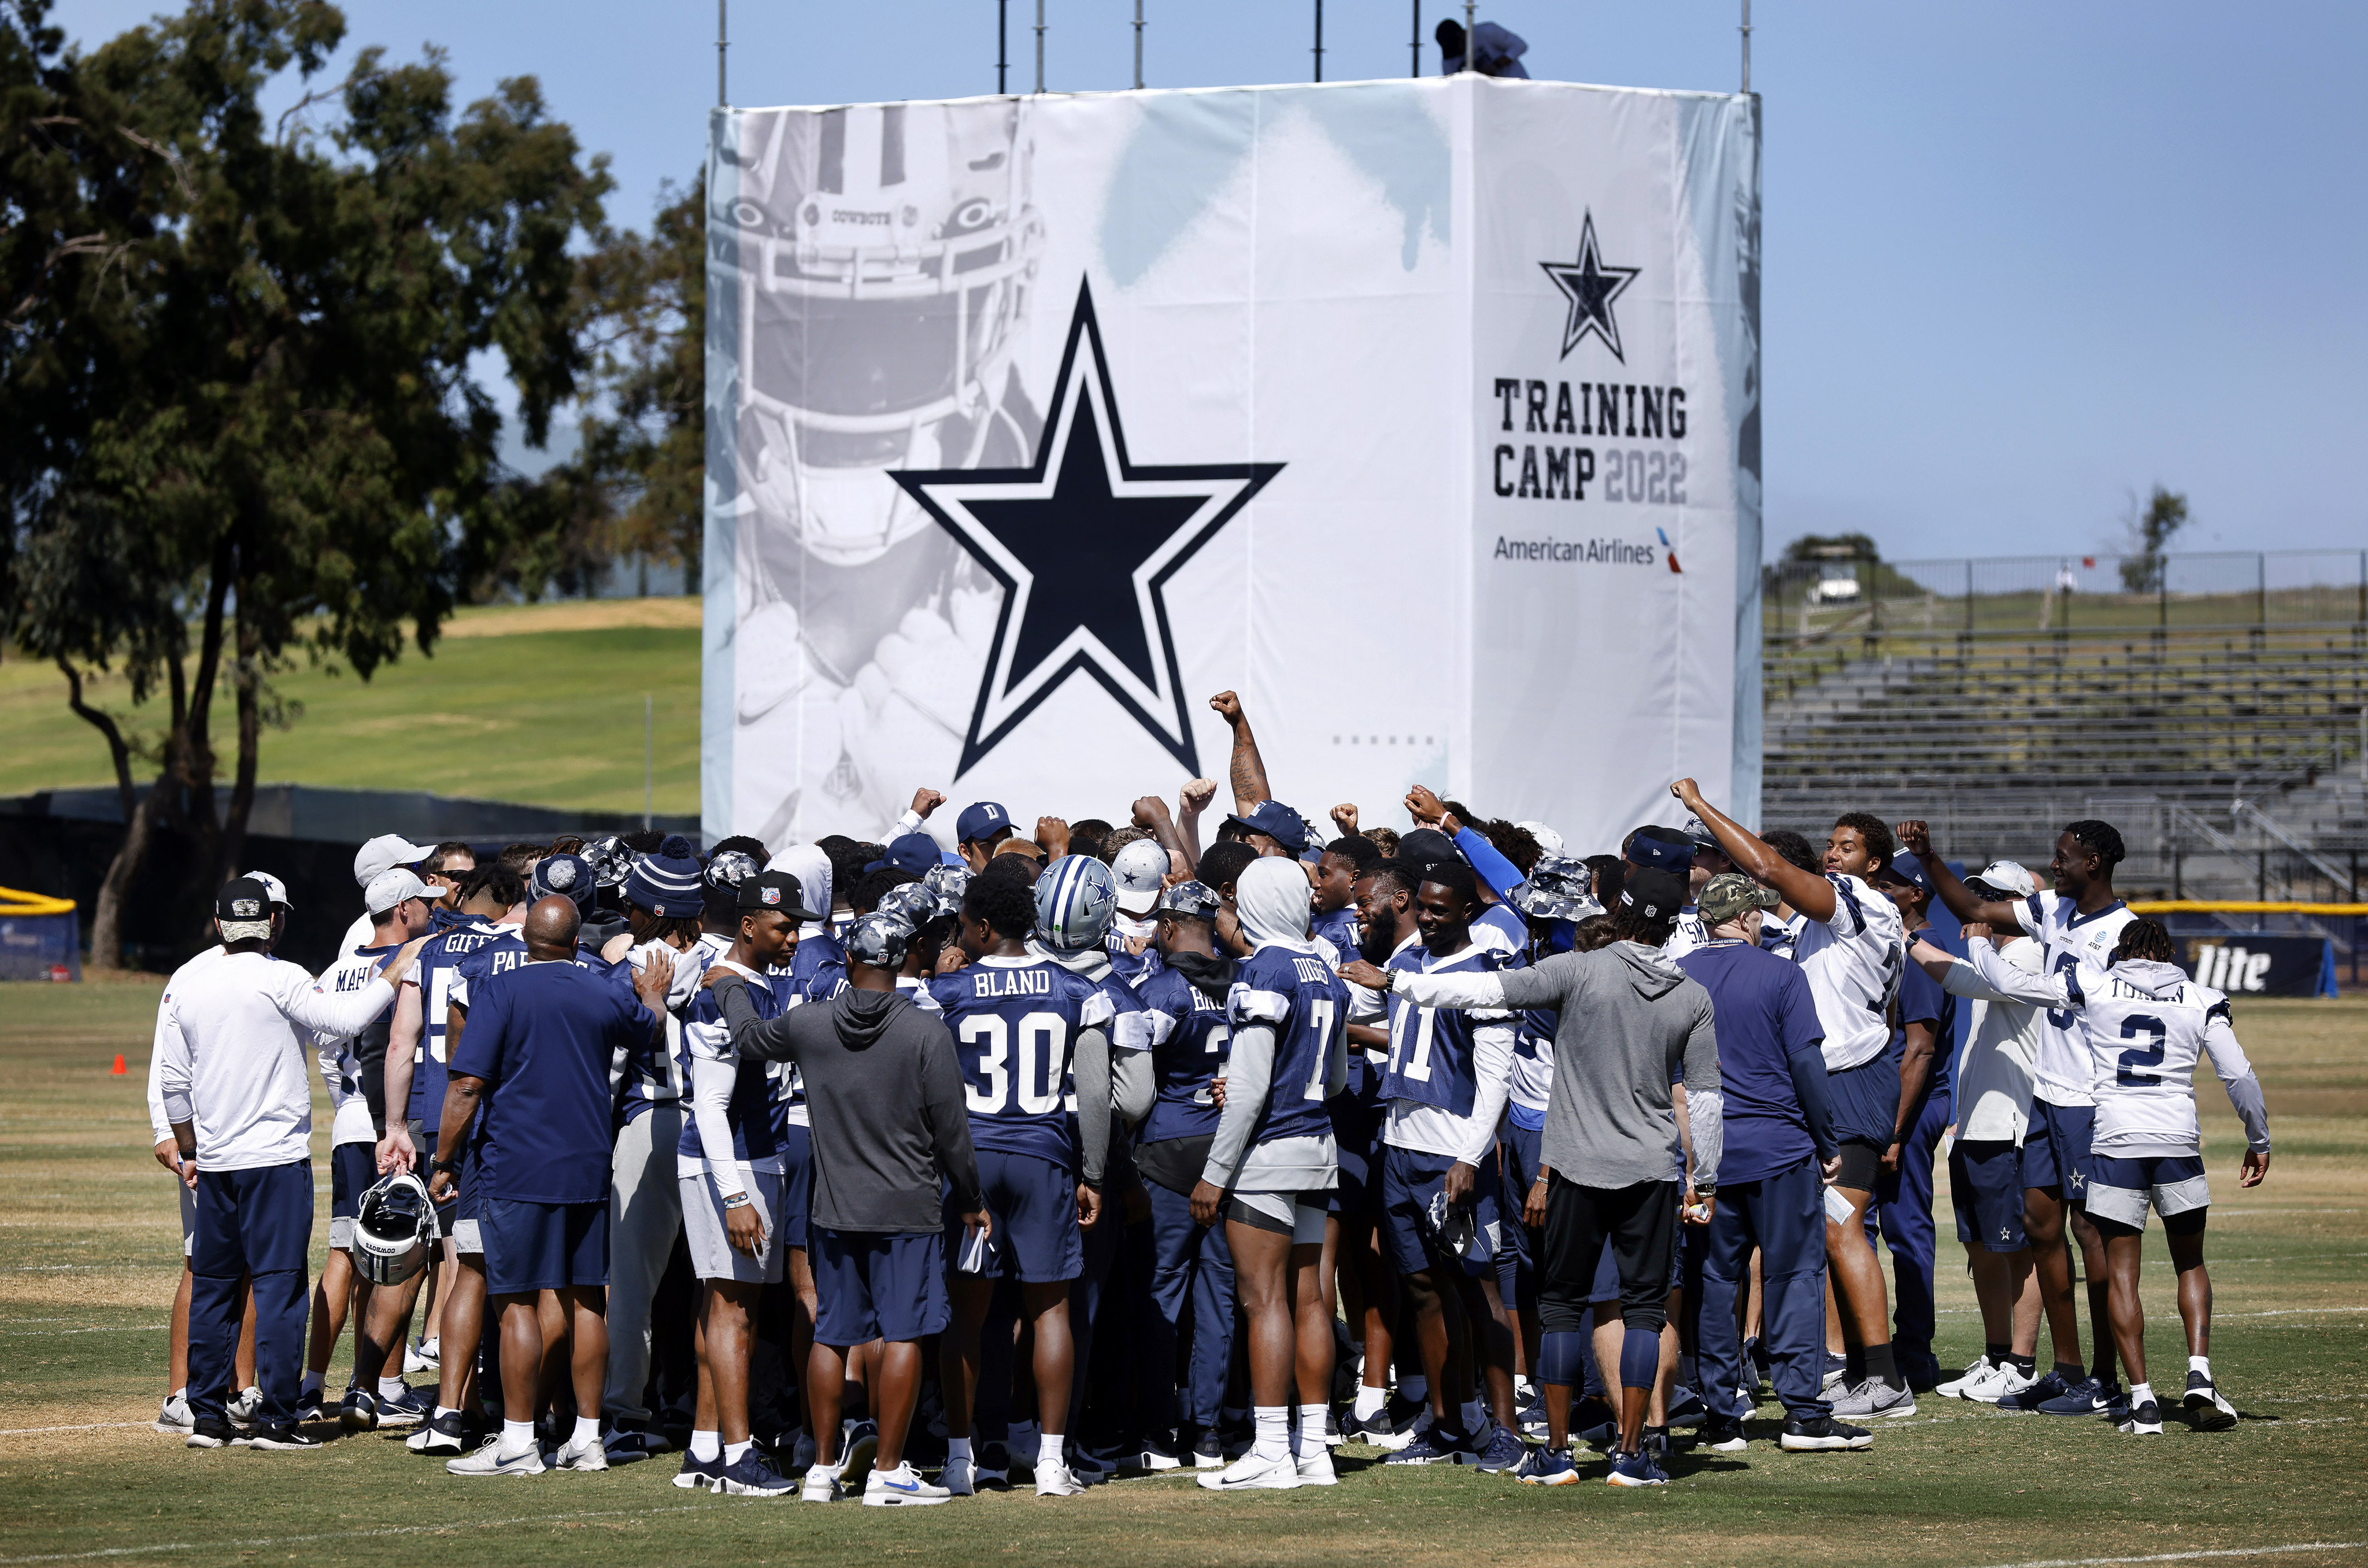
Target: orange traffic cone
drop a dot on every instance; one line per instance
(119, 1070)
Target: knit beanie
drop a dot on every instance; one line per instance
(667, 883)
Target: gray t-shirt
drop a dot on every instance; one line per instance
(1630, 1023)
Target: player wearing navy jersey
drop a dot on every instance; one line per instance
(1385, 893)
(1185, 993)
(1333, 917)
(2146, 1026)
(1853, 951)
(1449, 1074)
(730, 1165)
(1269, 1166)
(1140, 870)
(1016, 1021)
(418, 1046)
(2080, 923)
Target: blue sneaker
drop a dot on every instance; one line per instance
(1433, 1446)
(1686, 1408)
(2051, 1387)
(697, 1473)
(2087, 1397)
(406, 1409)
(1547, 1467)
(1504, 1451)
(752, 1475)
(1637, 1469)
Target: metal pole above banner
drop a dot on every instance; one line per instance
(1002, 46)
(1414, 43)
(1039, 45)
(1471, 44)
(722, 35)
(1138, 43)
(1319, 39)
(1747, 48)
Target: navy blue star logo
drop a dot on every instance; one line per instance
(1590, 287)
(1084, 542)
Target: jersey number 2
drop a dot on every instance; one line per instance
(2136, 1026)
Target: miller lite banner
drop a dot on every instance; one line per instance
(1423, 414)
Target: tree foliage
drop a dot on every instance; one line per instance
(237, 366)
(2150, 529)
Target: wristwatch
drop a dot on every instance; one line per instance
(452, 1166)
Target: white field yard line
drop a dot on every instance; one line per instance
(2191, 1556)
(453, 1526)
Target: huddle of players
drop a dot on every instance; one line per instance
(1167, 1026)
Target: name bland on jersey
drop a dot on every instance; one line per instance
(990, 983)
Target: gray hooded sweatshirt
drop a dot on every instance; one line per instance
(1630, 1023)
(886, 1091)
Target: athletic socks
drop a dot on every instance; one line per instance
(1273, 1431)
(390, 1388)
(517, 1438)
(957, 1448)
(1308, 1438)
(1048, 1447)
(312, 1384)
(587, 1430)
(1371, 1401)
(707, 1447)
(2202, 1364)
(2024, 1366)
(2070, 1371)
(2140, 1393)
(733, 1452)
(1880, 1364)
(1853, 1365)
(2000, 1355)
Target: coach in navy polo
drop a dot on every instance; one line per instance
(1779, 1149)
(535, 1060)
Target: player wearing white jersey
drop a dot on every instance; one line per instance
(1853, 951)
(2146, 1025)
(2080, 923)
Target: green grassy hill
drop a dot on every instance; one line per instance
(536, 703)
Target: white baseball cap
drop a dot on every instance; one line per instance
(394, 885)
(2007, 877)
(1549, 841)
(1141, 871)
(384, 852)
(275, 887)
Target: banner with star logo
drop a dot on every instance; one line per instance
(1421, 413)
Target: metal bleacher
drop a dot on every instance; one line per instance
(2220, 726)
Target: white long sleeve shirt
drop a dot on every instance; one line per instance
(159, 1124)
(2001, 1052)
(234, 1042)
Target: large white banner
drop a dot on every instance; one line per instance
(1423, 414)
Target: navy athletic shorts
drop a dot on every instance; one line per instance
(871, 1285)
(1985, 1188)
(2055, 1150)
(1035, 1207)
(542, 1247)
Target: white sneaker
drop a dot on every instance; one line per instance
(489, 1460)
(174, 1418)
(959, 1478)
(858, 1445)
(2003, 1382)
(1316, 1468)
(821, 1483)
(1251, 1473)
(1392, 1443)
(241, 1411)
(1977, 1373)
(900, 1488)
(1054, 1479)
(422, 1357)
(591, 1455)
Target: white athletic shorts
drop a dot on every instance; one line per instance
(712, 1257)
(2121, 1189)
(188, 1221)
(1299, 1215)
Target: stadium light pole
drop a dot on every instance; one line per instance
(1138, 45)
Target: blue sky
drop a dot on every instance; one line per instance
(2022, 259)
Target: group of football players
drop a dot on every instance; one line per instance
(1267, 1146)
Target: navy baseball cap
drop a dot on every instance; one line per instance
(981, 821)
(1655, 894)
(1278, 822)
(1654, 852)
(915, 852)
(1906, 868)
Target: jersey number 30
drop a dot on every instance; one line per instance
(998, 1081)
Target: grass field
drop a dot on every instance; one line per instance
(535, 703)
(88, 1248)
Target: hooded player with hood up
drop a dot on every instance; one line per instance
(1270, 1167)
